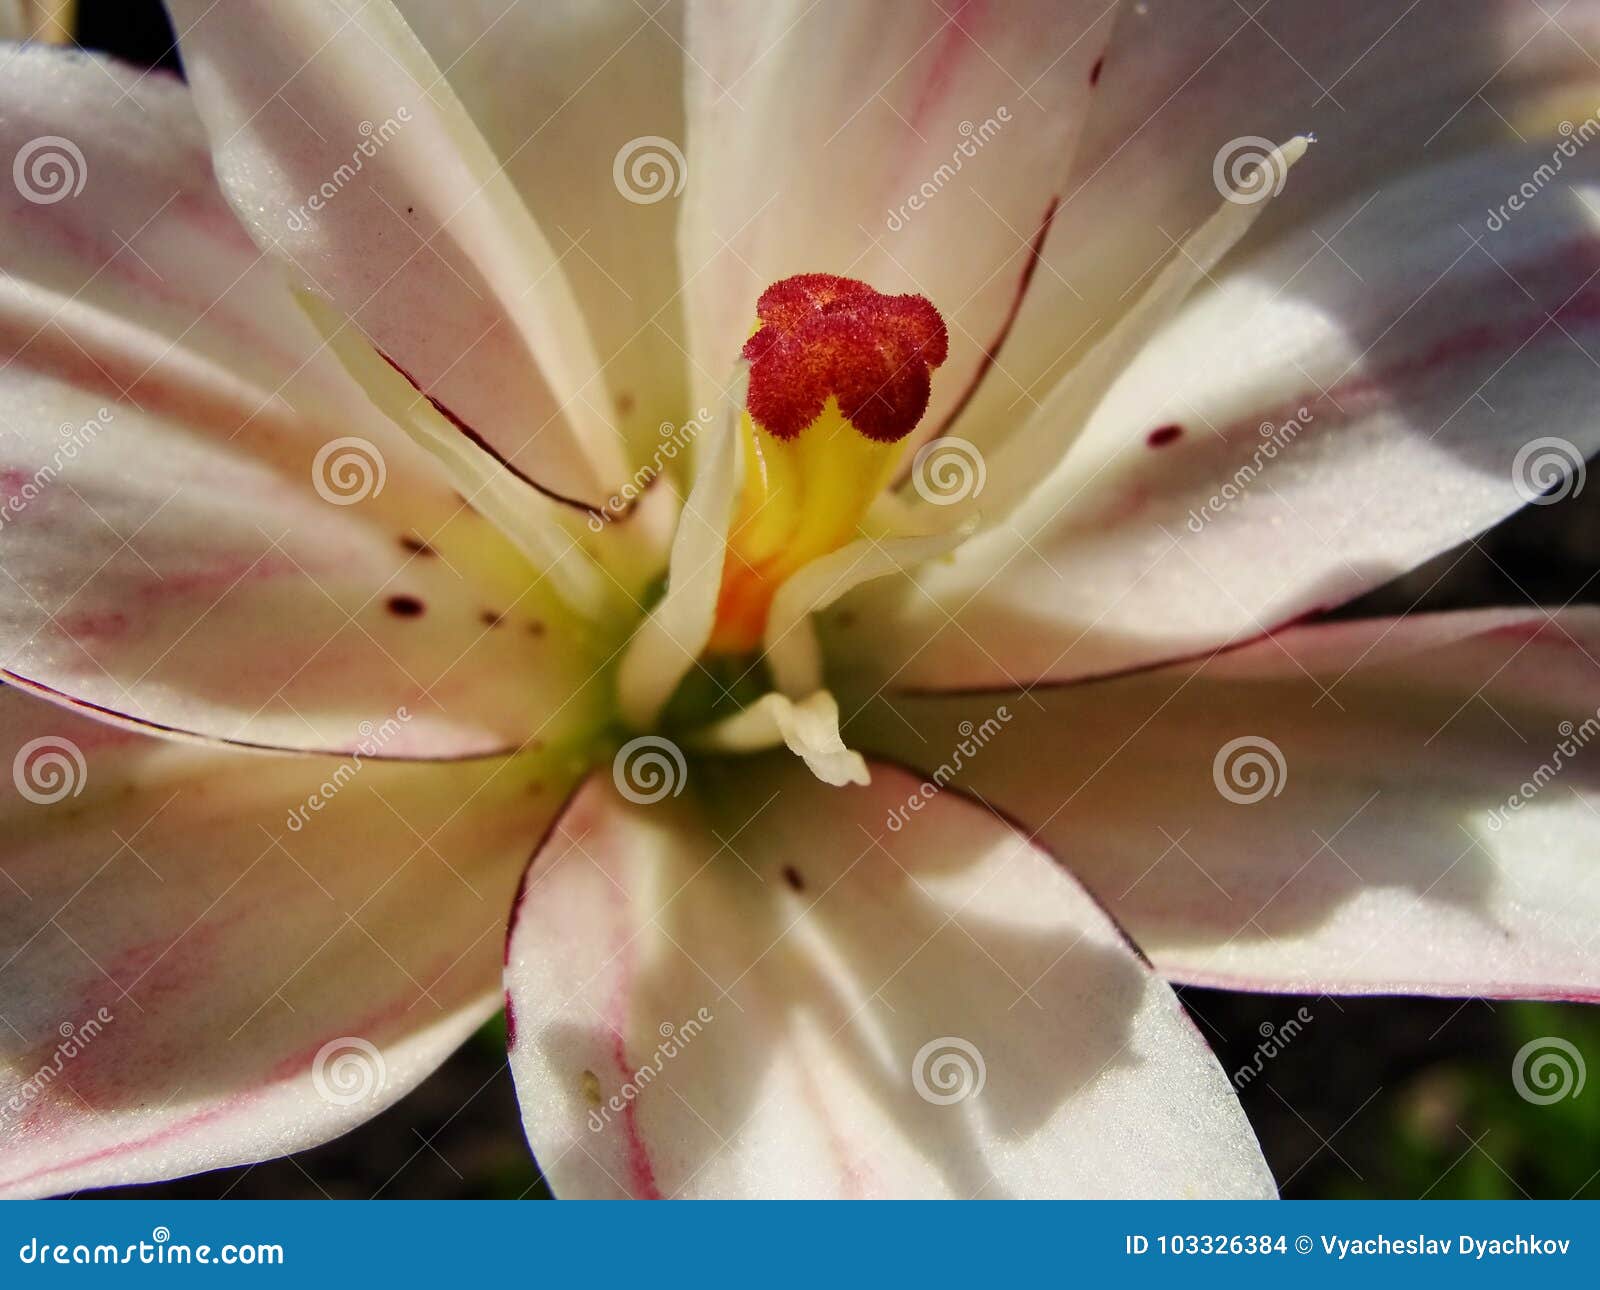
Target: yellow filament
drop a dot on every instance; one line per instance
(802, 498)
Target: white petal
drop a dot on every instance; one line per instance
(787, 997)
(1036, 447)
(543, 530)
(1188, 86)
(213, 957)
(181, 546)
(570, 94)
(346, 154)
(1362, 807)
(920, 149)
(1313, 425)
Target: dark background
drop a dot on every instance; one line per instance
(1372, 1097)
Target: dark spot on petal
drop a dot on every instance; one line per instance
(791, 875)
(625, 403)
(536, 628)
(411, 210)
(411, 542)
(1094, 72)
(589, 1082)
(511, 1024)
(1161, 436)
(491, 619)
(845, 618)
(405, 606)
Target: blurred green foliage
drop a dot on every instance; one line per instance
(1459, 1130)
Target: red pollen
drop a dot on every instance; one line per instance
(823, 336)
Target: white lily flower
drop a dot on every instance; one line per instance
(774, 539)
